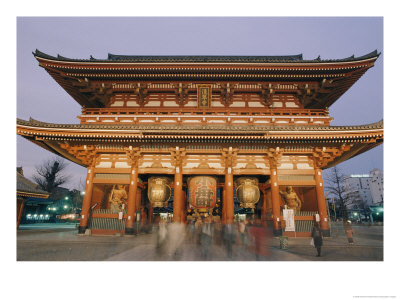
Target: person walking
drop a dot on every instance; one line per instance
(317, 237)
(206, 238)
(349, 232)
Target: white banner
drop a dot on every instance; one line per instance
(288, 216)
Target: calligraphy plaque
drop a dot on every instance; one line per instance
(204, 95)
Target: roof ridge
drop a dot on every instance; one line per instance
(298, 58)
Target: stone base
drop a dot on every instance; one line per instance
(277, 232)
(82, 229)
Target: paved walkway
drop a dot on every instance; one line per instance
(59, 242)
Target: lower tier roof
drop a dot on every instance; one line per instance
(50, 136)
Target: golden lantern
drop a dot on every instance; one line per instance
(247, 191)
(158, 191)
(202, 192)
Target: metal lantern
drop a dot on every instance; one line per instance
(202, 192)
(247, 191)
(159, 191)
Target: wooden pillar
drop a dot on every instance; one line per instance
(229, 205)
(322, 210)
(276, 209)
(131, 209)
(178, 205)
(85, 214)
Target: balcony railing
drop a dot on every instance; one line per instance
(222, 111)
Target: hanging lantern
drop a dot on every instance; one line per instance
(247, 191)
(159, 191)
(202, 192)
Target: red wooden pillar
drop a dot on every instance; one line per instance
(87, 200)
(276, 209)
(178, 205)
(229, 205)
(322, 210)
(130, 213)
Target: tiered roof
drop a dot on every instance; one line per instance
(334, 76)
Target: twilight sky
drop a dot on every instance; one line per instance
(40, 97)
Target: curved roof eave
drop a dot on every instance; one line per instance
(112, 58)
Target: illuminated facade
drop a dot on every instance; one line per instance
(257, 126)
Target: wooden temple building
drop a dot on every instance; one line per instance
(198, 132)
(27, 191)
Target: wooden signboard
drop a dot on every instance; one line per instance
(204, 95)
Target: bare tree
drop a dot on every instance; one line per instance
(334, 187)
(50, 174)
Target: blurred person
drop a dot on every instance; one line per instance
(229, 236)
(259, 236)
(218, 237)
(197, 226)
(162, 235)
(191, 228)
(349, 232)
(317, 237)
(243, 233)
(206, 237)
(176, 235)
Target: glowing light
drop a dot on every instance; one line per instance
(65, 206)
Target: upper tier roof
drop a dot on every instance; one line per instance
(319, 82)
(205, 58)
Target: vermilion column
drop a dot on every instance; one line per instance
(276, 209)
(86, 200)
(229, 205)
(319, 187)
(130, 213)
(178, 196)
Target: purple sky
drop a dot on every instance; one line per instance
(40, 97)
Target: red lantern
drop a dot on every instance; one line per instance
(202, 192)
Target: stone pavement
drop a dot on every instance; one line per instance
(60, 242)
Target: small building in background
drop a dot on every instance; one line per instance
(31, 200)
(363, 195)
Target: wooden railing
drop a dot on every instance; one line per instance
(211, 111)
